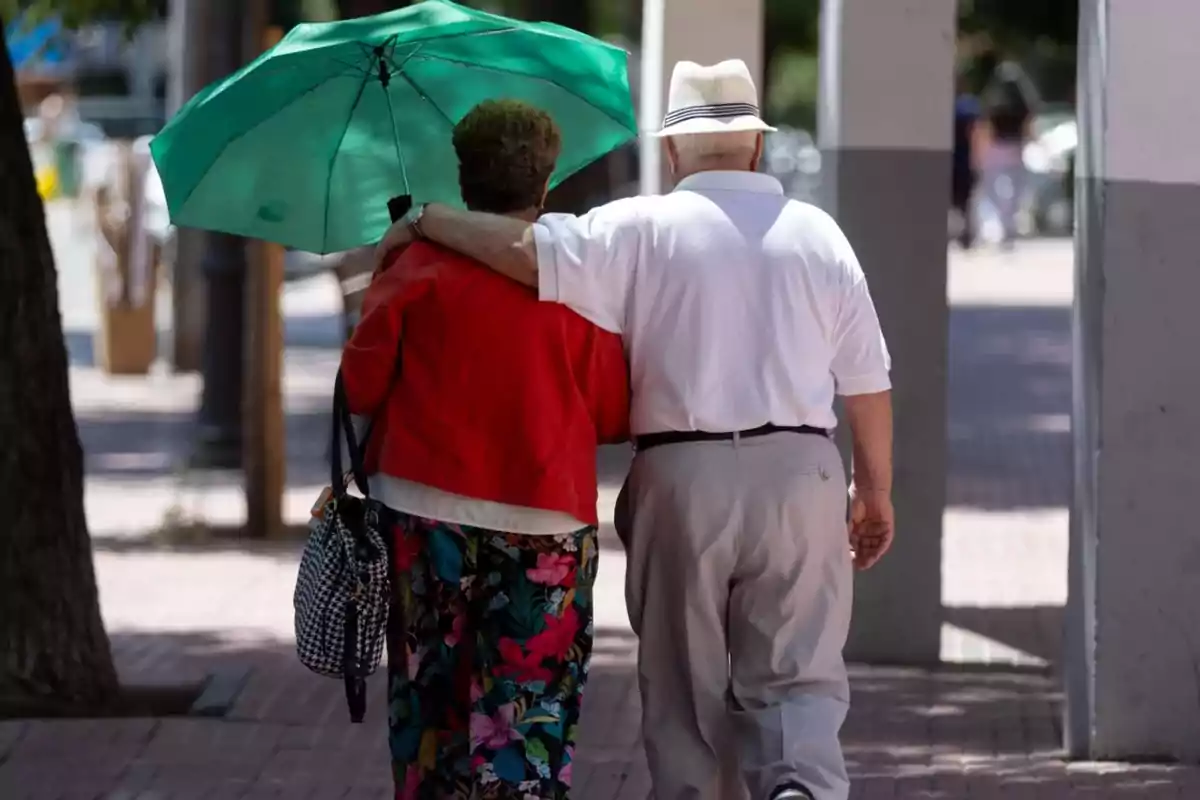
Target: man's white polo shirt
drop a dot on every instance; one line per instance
(738, 306)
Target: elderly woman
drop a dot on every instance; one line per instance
(485, 454)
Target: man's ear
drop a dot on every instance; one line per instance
(545, 194)
(672, 155)
(758, 151)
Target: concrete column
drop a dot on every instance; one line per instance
(885, 129)
(704, 31)
(1133, 636)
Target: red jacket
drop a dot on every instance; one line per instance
(499, 396)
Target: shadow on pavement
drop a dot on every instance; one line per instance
(1036, 630)
(207, 538)
(1009, 407)
(911, 733)
(133, 444)
(951, 734)
(323, 331)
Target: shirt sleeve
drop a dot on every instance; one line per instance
(369, 358)
(861, 363)
(588, 263)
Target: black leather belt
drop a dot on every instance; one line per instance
(648, 440)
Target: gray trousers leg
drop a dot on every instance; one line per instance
(739, 587)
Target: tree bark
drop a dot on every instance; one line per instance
(218, 442)
(53, 648)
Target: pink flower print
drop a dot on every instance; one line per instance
(494, 733)
(564, 774)
(476, 691)
(553, 569)
(456, 630)
(521, 666)
(412, 783)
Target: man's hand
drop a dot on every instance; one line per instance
(872, 520)
(505, 244)
(872, 525)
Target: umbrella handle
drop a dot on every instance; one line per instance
(399, 205)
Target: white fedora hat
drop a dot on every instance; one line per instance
(717, 99)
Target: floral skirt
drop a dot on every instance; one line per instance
(488, 648)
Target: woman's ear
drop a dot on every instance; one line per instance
(545, 194)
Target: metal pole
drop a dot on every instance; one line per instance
(653, 41)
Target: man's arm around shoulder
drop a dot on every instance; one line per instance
(503, 243)
(586, 263)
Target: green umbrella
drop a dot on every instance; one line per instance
(307, 145)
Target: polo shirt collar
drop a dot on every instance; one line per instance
(731, 181)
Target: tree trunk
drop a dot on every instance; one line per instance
(53, 648)
(218, 444)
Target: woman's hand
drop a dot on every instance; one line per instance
(400, 235)
(397, 237)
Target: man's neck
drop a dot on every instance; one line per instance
(715, 166)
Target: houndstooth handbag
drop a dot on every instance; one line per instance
(343, 589)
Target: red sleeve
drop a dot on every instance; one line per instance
(369, 358)
(606, 384)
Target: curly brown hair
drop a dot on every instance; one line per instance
(507, 150)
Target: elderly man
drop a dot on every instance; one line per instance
(743, 313)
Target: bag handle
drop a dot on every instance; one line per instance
(356, 448)
(343, 428)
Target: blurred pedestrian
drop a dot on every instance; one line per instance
(1009, 104)
(744, 313)
(964, 173)
(485, 456)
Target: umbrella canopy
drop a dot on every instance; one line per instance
(306, 145)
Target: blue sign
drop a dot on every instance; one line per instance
(35, 45)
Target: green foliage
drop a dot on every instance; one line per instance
(792, 89)
(78, 12)
(795, 24)
(1017, 24)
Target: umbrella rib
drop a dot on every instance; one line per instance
(362, 87)
(551, 81)
(426, 97)
(355, 69)
(368, 49)
(396, 141)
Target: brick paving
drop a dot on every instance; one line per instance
(177, 610)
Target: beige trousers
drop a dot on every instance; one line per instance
(739, 588)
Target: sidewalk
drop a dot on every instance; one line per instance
(986, 729)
